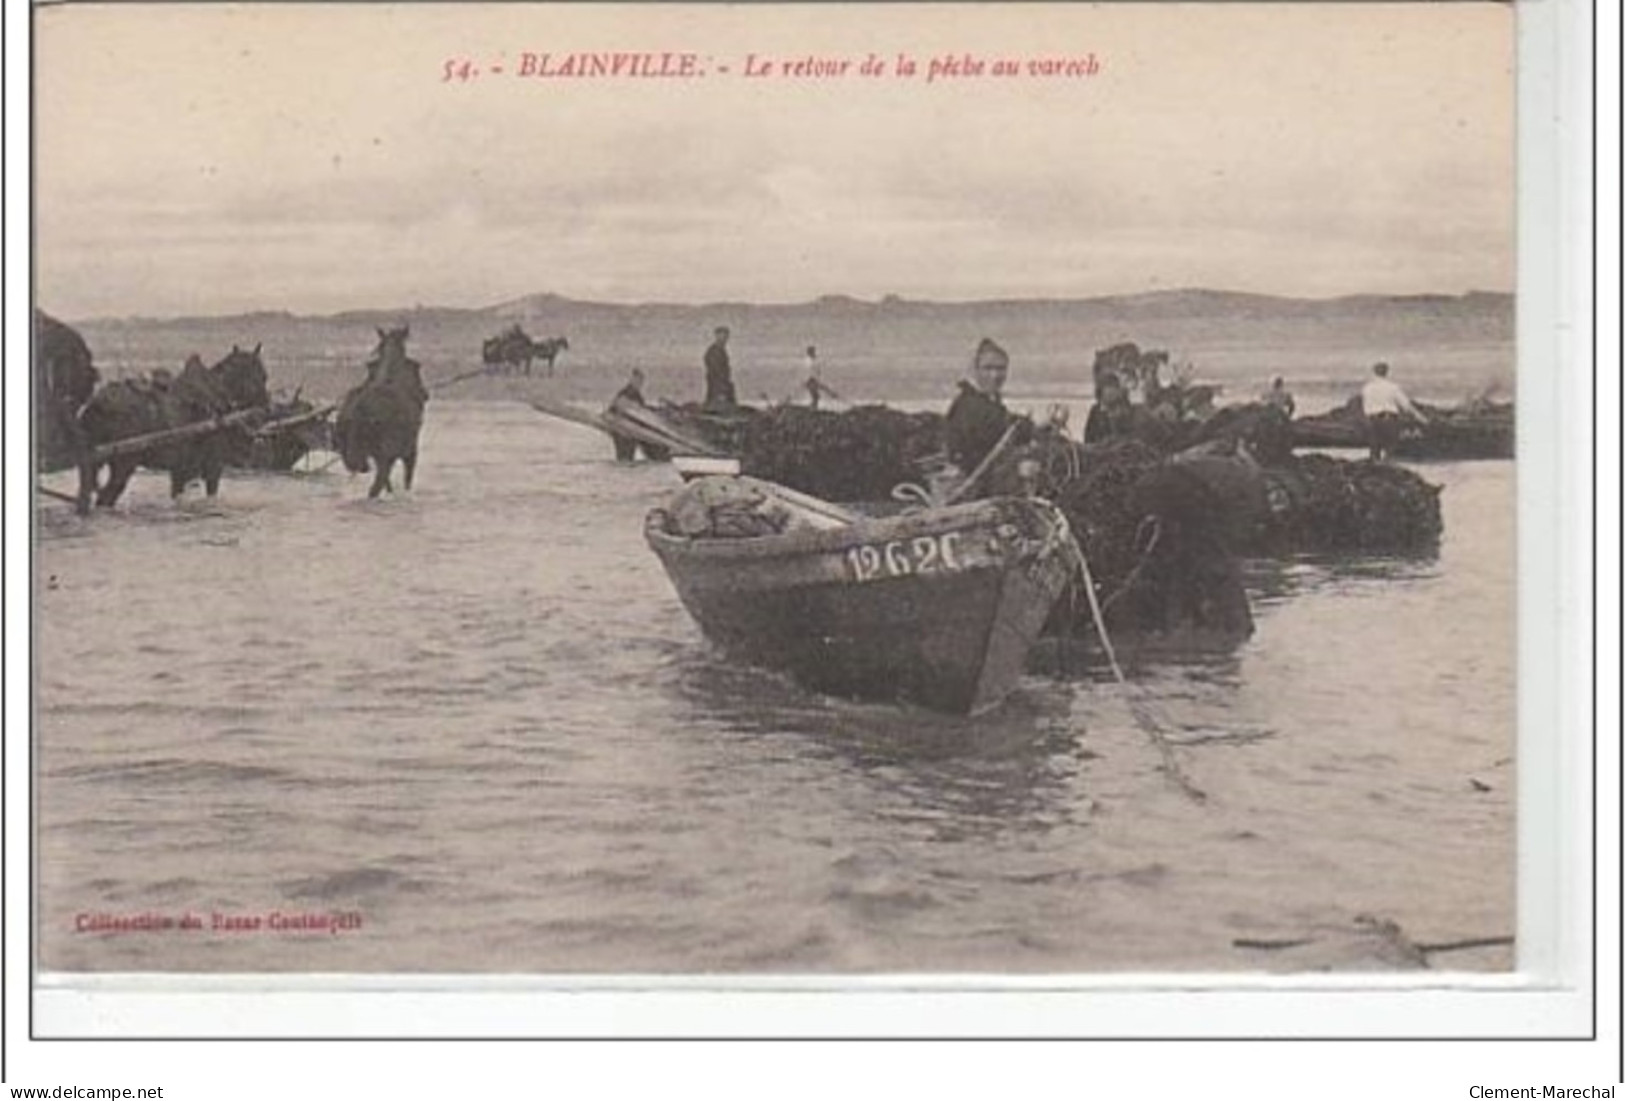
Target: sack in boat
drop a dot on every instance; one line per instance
(721, 508)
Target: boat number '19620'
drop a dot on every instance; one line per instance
(924, 554)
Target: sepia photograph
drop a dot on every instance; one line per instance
(1019, 493)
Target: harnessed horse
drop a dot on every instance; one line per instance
(379, 421)
(129, 408)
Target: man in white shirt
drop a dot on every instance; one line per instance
(1385, 406)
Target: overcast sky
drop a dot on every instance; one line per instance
(205, 159)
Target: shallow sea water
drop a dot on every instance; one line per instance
(475, 720)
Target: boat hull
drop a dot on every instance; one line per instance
(938, 608)
(1446, 435)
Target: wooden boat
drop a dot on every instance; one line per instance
(690, 467)
(936, 607)
(1483, 431)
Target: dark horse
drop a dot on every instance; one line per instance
(64, 380)
(513, 349)
(137, 407)
(380, 419)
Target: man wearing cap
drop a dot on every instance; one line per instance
(1385, 406)
(719, 381)
(977, 419)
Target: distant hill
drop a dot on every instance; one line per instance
(1183, 304)
(889, 348)
(1171, 304)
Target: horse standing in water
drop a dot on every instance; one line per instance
(64, 380)
(514, 350)
(378, 422)
(128, 408)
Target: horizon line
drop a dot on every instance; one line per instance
(833, 297)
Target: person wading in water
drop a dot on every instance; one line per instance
(1385, 406)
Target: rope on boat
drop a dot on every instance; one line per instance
(1142, 718)
(1133, 574)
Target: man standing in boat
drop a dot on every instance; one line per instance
(977, 420)
(719, 382)
(1385, 406)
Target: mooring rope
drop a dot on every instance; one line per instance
(1133, 574)
(1147, 723)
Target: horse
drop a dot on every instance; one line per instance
(378, 421)
(136, 407)
(513, 350)
(64, 380)
(547, 351)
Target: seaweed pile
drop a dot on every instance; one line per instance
(1332, 505)
(858, 455)
(1156, 537)
(725, 431)
(1163, 535)
(1268, 501)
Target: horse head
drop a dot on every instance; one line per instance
(391, 344)
(241, 378)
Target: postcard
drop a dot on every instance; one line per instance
(683, 500)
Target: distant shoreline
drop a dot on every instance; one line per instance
(1185, 302)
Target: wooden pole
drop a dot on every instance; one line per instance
(623, 413)
(60, 496)
(565, 411)
(465, 376)
(135, 444)
(614, 423)
(271, 428)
